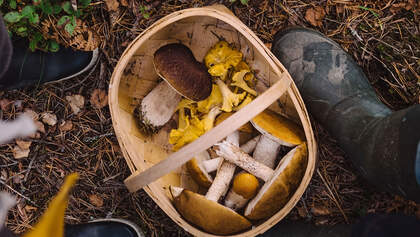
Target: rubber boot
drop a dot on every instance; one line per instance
(104, 228)
(382, 144)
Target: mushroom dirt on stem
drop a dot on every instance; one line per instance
(381, 143)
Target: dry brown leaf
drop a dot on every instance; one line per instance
(77, 102)
(99, 99)
(32, 114)
(302, 211)
(96, 200)
(320, 211)
(112, 5)
(66, 126)
(49, 118)
(23, 144)
(315, 15)
(19, 153)
(40, 126)
(29, 208)
(124, 3)
(5, 104)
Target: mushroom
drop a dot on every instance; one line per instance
(209, 215)
(277, 130)
(279, 183)
(224, 175)
(245, 186)
(230, 99)
(185, 76)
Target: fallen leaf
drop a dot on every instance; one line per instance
(320, 211)
(23, 144)
(302, 211)
(66, 126)
(5, 104)
(40, 126)
(315, 15)
(19, 153)
(112, 5)
(49, 118)
(124, 3)
(99, 99)
(76, 102)
(32, 114)
(96, 200)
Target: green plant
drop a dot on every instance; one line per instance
(23, 18)
(144, 11)
(243, 2)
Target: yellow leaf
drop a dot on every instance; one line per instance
(51, 223)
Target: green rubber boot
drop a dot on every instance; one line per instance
(382, 144)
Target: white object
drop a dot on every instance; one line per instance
(21, 127)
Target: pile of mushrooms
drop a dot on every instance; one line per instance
(242, 178)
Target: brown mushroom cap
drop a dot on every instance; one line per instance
(276, 192)
(278, 128)
(176, 64)
(197, 171)
(209, 215)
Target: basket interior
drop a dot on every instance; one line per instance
(139, 78)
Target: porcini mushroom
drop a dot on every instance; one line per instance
(185, 76)
(276, 130)
(279, 183)
(209, 215)
(224, 175)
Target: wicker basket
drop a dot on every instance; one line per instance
(154, 167)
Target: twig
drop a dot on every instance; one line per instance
(18, 193)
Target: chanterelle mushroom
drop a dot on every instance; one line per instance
(209, 215)
(279, 183)
(175, 63)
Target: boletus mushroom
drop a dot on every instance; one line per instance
(209, 215)
(279, 184)
(183, 76)
(276, 130)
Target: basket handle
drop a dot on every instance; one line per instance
(139, 179)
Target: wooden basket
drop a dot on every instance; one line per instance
(154, 167)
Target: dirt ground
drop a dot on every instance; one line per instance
(382, 36)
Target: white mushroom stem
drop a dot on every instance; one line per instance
(266, 151)
(212, 164)
(234, 155)
(159, 105)
(224, 175)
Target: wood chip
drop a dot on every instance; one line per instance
(315, 15)
(96, 200)
(23, 144)
(49, 118)
(77, 102)
(21, 150)
(99, 99)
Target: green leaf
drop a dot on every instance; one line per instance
(69, 28)
(53, 46)
(67, 7)
(12, 17)
(244, 2)
(27, 11)
(57, 9)
(21, 29)
(84, 3)
(34, 41)
(1, 2)
(32, 45)
(34, 18)
(13, 4)
(46, 7)
(63, 20)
